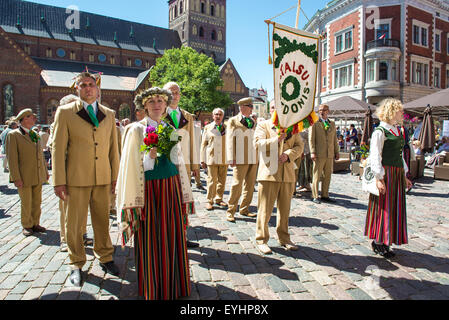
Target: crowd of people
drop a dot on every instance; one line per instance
(98, 165)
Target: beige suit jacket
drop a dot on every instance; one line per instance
(266, 139)
(213, 146)
(323, 143)
(25, 159)
(189, 145)
(84, 155)
(239, 142)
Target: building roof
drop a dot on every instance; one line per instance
(33, 19)
(442, 4)
(62, 73)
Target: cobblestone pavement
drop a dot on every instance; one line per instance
(334, 261)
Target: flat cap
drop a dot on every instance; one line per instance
(244, 101)
(24, 113)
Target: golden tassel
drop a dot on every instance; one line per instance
(270, 61)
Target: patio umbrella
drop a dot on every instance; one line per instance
(367, 127)
(427, 134)
(438, 100)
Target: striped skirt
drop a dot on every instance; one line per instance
(386, 219)
(162, 264)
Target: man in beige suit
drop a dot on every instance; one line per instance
(27, 170)
(85, 167)
(242, 156)
(183, 121)
(63, 204)
(276, 181)
(213, 157)
(324, 149)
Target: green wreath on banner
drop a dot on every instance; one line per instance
(296, 88)
(286, 46)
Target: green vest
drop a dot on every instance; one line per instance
(163, 169)
(392, 150)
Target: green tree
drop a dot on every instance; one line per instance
(196, 74)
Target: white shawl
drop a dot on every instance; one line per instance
(131, 177)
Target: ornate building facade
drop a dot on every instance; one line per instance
(201, 25)
(42, 48)
(382, 48)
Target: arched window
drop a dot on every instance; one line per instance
(180, 7)
(8, 101)
(124, 111)
(52, 105)
(203, 7)
(201, 32)
(212, 10)
(213, 35)
(176, 11)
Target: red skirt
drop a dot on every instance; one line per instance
(162, 264)
(386, 219)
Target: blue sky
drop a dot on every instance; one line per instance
(247, 41)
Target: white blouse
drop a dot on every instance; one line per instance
(376, 146)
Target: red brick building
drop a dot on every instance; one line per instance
(42, 48)
(397, 48)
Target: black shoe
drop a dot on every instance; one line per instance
(75, 277)
(376, 248)
(328, 200)
(316, 200)
(200, 188)
(87, 241)
(387, 253)
(110, 267)
(191, 244)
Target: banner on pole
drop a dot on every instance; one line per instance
(295, 61)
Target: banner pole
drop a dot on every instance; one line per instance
(297, 14)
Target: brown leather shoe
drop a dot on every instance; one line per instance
(222, 204)
(39, 228)
(248, 214)
(27, 232)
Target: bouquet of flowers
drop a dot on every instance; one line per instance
(164, 138)
(364, 153)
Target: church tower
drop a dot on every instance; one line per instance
(201, 25)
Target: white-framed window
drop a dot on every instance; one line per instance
(447, 78)
(370, 70)
(437, 43)
(382, 28)
(324, 53)
(436, 77)
(420, 73)
(447, 49)
(325, 82)
(420, 33)
(343, 76)
(343, 40)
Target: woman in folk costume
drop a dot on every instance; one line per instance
(154, 198)
(386, 220)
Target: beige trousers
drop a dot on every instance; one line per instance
(80, 199)
(216, 181)
(322, 167)
(268, 194)
(30, 205)
(244, 176)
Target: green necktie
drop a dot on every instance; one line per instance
(34, 137)
(249, 122)
(92, 115)
(174, 117)
(326, 125)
